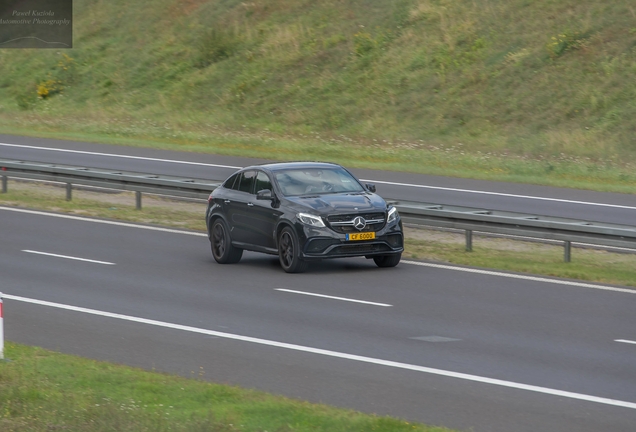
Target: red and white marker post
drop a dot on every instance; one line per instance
(1, 330)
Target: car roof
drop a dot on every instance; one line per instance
(278, 166)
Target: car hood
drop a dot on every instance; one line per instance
(340, 203)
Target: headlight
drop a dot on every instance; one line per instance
(308, 219)
(393, 215)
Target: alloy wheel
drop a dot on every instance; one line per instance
(218, 239)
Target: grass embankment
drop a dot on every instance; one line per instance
(425, 244)
(45, 391)
(538, 92)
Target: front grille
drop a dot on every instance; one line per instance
(350, 229)
(349, 217)
(334, 247)
(343, 223)
(360, 248)
(319, 245)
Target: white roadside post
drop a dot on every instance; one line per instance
(1, 330)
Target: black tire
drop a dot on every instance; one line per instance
(289, 252)
(221, 244)
(387, 260)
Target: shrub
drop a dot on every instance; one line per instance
(215, 45)
(49, 88)
(564, 42)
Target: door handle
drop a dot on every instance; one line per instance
(227, 201)
(250, 204)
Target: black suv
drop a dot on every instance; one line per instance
(302, 211)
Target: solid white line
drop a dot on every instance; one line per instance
(106, 222)
(417, 263)
(332, 297)
(625, 341)
(502, 194)
(368, 180)
(524, 277)
(336, 354)
(67, 257)
(120, 156)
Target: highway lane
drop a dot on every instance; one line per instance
(547, 201)
(555, 336)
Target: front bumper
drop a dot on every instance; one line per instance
(323, 243)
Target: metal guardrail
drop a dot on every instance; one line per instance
(518, 224)
(436, 215)
(109, 179)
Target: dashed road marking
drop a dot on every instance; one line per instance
(333, 297)
(67, 257)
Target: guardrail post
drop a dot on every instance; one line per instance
(567, 251)
(469, 240)
(4, 184)
(69, 191)
(138, 200)
(1, 330)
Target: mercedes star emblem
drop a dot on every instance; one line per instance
(359, 223)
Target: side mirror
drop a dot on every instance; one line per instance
(264, 194)
(370, 187)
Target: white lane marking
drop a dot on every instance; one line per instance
(417, 263)
(502, 194)
(625, 341)
(121, 156)
(106, 222)
(336, 354)
(67, 257)
(332, 297)
(524, 277)
(374, 181)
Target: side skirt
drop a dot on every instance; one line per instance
(254, 248)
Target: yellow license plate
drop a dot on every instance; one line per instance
(361, 236)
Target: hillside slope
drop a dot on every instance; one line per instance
(544, 78)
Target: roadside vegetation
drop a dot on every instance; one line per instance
(538, 92)
(421, 243)
(41, 390)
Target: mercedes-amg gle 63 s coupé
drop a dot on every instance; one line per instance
(302, 211)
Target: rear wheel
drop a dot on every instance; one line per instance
(289, 252)
(221, 243)
(387, 260)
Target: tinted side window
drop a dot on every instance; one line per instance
(262, 182)
(231, 183)
(247, 181)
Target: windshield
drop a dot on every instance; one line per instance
(312, 181)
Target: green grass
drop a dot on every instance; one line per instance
(42, 390)
(538, 92)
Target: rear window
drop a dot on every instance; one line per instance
(229, 183)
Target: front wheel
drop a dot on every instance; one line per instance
(221, 243)
(289, 252)
(387, 260)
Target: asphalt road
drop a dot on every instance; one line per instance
(469, 350)
(463, 348)
(531, 199)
